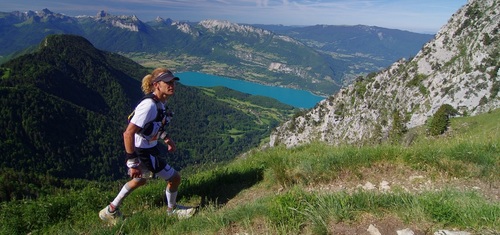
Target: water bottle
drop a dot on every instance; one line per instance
(146, 174)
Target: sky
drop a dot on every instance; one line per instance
(422, 16)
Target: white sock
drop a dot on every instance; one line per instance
(124, 192)
(171, 198)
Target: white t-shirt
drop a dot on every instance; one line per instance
(146, 112)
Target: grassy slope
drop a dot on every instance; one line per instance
(449, 182)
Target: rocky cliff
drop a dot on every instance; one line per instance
(459, 67)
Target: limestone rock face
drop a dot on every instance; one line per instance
(459, 67)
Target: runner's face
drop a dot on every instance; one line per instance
(166, 89)
(170, 87)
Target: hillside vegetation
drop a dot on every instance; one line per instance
(448, 181)
(64, 109)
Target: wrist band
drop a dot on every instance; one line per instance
(133, 163)
(130, 155)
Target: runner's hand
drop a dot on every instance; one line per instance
(134, 173)
(170, 145)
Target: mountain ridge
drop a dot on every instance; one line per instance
(460, 67)
(233, 50)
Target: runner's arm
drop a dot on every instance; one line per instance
(128, 137)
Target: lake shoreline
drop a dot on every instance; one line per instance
(291, 96)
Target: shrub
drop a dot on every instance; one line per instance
(486, 39)
(398, 127)
(494, 89)
(416, 80)
(441, 119)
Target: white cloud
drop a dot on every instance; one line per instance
(262, 3)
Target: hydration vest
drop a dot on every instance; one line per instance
(162, 116)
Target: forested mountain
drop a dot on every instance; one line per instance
(64, 109)
(281, 58)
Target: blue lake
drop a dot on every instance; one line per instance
(293, 97)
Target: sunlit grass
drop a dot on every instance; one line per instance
(269, 187)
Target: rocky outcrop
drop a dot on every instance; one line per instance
(131, 23)
(216, 25)
(459, 67)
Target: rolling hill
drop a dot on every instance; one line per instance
(65, 107)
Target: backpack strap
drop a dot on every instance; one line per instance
(159, 115)
(150, 96)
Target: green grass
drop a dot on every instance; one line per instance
(265, 192)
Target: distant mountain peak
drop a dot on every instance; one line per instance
(160, 20)
(47, 11)
(102, 14)
(43, 15)
(131, 23)
(218, 25)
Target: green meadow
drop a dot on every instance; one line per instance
(450, 181)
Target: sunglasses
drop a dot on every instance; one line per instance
(170, 83)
